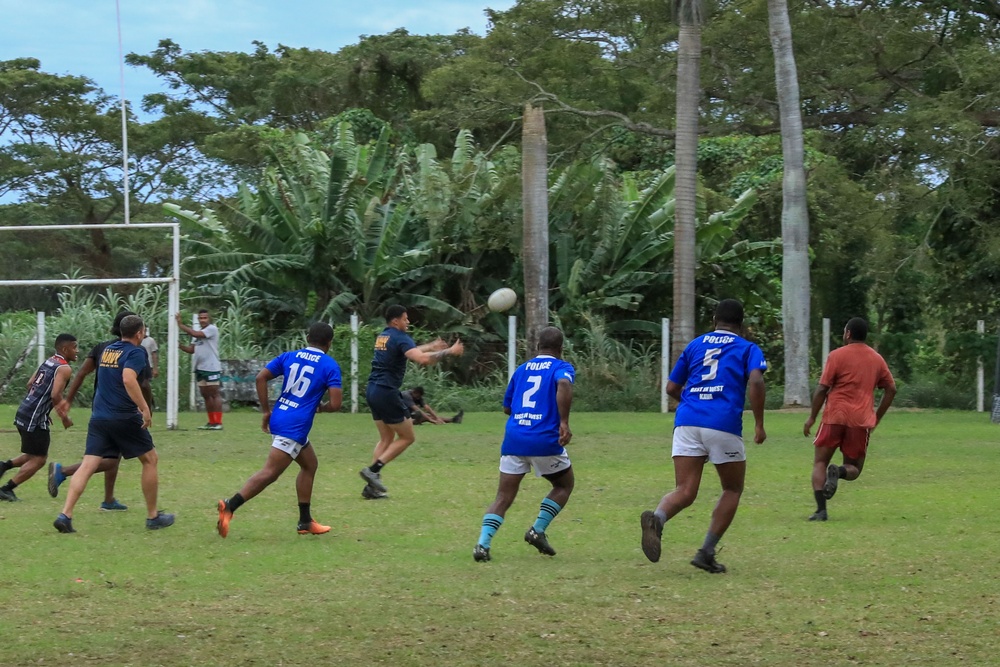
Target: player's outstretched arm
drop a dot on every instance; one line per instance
(58, 403)
(336, 400)
(263, 377)
(564, 401)
(758, 393)
(888, 394)
(86, 368)
(425, 358)
(819, 398)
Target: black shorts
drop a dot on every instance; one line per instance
(386, 404)
(35, 443)
(111, 438)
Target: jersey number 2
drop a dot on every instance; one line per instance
(536, 382)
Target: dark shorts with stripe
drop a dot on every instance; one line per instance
(111, 438)
(386, 404)
(35, 443)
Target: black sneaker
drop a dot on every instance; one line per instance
(457, 419)
(832, 478)
(162, 520)
(819, 515)
(63, 524)
(8, 495)
(373, 478)
(4, 468)
(481, 554)
(538, 540)
(652, 531)
(707, 562)
(371, 493)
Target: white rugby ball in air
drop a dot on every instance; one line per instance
(502, 300)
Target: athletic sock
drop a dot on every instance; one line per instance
(10, 485)
(376, 467)
(820, 500)
(235, 502)
(491, 524)
(842, 472)
(661, 515)
(214, 417)
(304, 515)
(711, 540)
(546, 513)
(6, 465)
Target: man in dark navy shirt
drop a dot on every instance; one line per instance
(119, 424)
(395, 427)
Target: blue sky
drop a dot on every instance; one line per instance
(81, 36)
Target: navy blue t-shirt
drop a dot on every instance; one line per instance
(714, 370)
(533, 425)
(111, 401)
(308, 373)
(389, 362)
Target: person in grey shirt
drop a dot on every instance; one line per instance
(207, 366)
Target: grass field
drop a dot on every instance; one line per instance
(904, 573)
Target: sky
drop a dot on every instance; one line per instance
(80, 37)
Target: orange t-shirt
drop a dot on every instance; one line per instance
(852, 373)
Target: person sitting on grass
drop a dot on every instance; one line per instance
(422, 413)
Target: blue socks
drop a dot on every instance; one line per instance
(546, 513)
(491, 524)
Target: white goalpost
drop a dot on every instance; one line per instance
(173, 298)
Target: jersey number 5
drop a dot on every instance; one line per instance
(712, 362)
(298, 383)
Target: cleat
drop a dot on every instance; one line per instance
(215, 427)
(63, 524)
(538, 540)
(113, 506)
(481, 554)
(8, 495)
(652, 531)
(457, 419)
(224, 517)
(206, 427)
(313, 528)
(4, 467)
(56, 477)
(373, 478)
(371, 493)
(832, 478)
(818, 516)
(162, 520)
(707, 562)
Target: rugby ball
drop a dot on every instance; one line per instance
(502, 300)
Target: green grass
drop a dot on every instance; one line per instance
(903, 573)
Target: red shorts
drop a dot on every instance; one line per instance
(852, 440)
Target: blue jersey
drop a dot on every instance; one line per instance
(714, 370)
(533, 425)
(308, 373)
(389, 362)
(111, 401)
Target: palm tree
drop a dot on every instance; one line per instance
(690, 14)
(535, 248)
(794, 210)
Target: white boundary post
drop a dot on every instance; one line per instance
(826, 341)
(980, 380)
(173, 281)
(40, 338)
(511, 346)
(355, 326)
(664, 363)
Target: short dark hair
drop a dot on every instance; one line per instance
(858, 328)
(418, 389)
(550, 338)
(729, 311)
(64, 339)
(130, 326)
(116, 326)
(394, 311)
(320, 333)
(204, 310)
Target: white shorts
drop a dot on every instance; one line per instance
(288, 446)
(718, 446)
(543, 465)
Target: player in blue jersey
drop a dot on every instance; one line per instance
(710, 380)
(119, 424)
(392, 418)
(45, 392)
(538, 400)
(309, 374)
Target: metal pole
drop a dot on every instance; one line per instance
(173, 334)
(121, 65)
(355, 326)
(664, 363)
(40, 337)
(826, 340)
(192, 398)
(511, 346)
(980, 379)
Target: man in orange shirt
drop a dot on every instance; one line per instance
(851, 375)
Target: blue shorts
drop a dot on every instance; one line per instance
(111, 438)
(386, 404)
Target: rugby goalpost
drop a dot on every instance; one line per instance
(173, 297)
